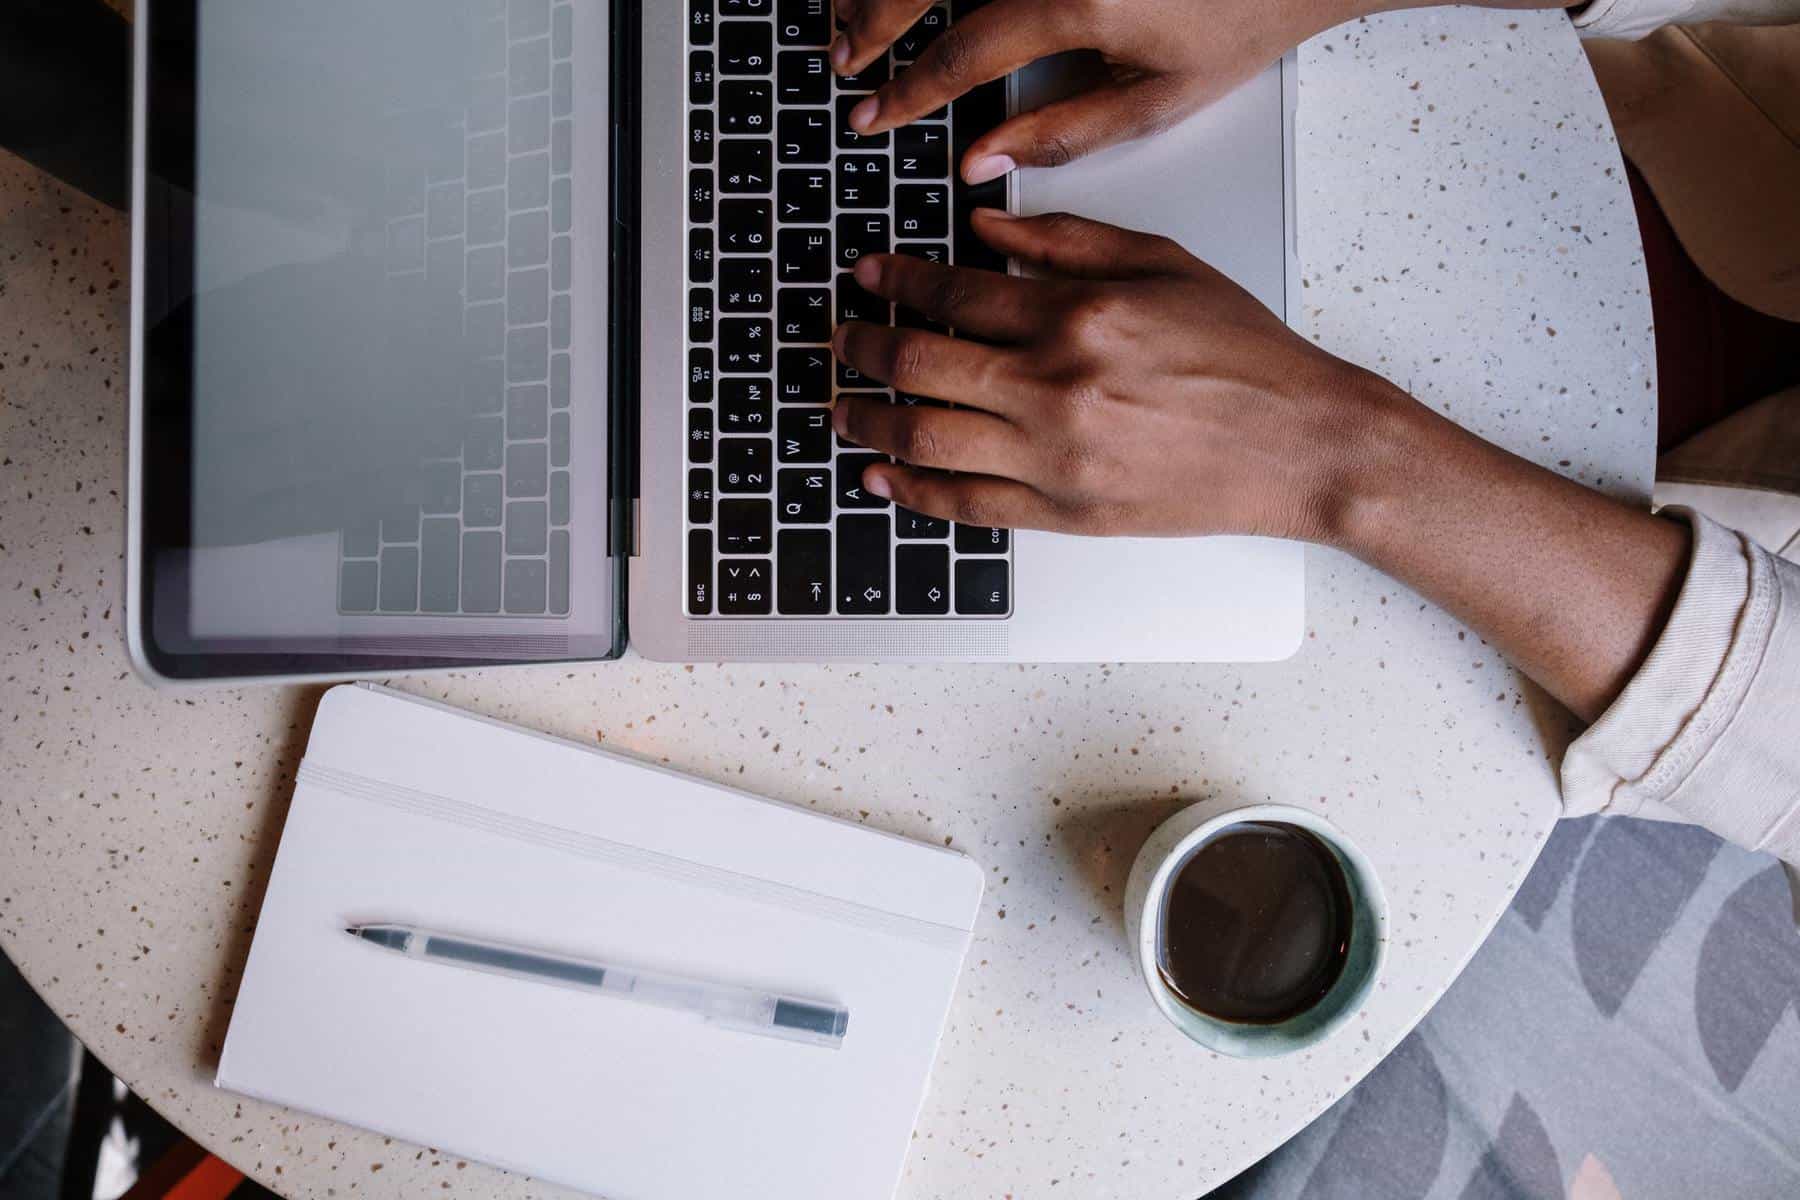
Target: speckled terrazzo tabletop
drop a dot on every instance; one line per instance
(1465, 229)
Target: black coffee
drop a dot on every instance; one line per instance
(1256, 926)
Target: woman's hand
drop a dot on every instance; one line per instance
(1141, 392)
(1167, 59)
(1137, 391)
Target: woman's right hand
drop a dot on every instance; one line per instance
(1167, 59)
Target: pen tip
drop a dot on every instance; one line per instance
(352, 930)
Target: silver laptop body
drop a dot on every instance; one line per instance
(383, 329)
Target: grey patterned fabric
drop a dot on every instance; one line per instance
(1631, 1029)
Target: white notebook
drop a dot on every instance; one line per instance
(410, 812)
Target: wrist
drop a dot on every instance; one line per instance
(1392, 452)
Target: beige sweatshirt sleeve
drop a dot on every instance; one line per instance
(1709, 728)
(1631, 19)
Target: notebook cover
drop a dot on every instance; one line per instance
(407, 811)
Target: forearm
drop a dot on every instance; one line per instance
(1571, 586)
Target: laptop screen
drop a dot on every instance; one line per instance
(375, 429)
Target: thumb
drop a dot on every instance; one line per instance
(1068, 129)
(1079, 248)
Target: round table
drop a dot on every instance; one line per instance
(1466, 230)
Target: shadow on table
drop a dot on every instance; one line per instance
(1101, 838)
(303, 704)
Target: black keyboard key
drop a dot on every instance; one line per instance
(700, 255)
(745, 226)
(745, 48)
(803, 22)
(863, 571)
(922, 210)
(975, 112)
(982, 587)
(859, 234)
(700, 196)
(803, 435)
(803, 255)
(856, 304)
(978, 539)
(744, 465)
(700, 375)
(804, 376)
(862, 181)
(746, 285)
(802, 77)
(745, 405)
(850, 491)
(803, 497)
(935, 252)
(803, 135)
(699, 572)
(803, 572)
(746, 345)
(922, 152)
(700, 78)
(867, 79)
(744, 527)
(700, 314)
(700, 136)
(913, 526)
(803, 196)
(746, 106)
(746, 165)
(700, 435)
(848, 138)
(700, 495)
(803, 315)
(743, 8)
(924, 31)
(922, 581)
(700, 22)
(745, 587)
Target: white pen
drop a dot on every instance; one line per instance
(729, 1006)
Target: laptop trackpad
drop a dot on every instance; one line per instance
(1214, 183)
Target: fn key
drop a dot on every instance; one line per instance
(981, 588)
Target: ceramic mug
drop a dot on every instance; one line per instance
(1147, 890)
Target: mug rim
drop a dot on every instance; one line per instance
(1244, 1039)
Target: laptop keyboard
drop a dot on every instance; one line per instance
(783, 198)
(479, 202)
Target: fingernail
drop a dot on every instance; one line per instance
(840, 54)
(867, 272)
(863, 115)
(838, 337)
(991, 167)
(997, 214)
(877, 485)
(840, 419)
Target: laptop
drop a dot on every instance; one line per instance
(490, 331)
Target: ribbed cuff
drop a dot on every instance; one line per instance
(1707, 726)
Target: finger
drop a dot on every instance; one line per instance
(961, 439)
(870, 27)
(930, 364)
(985, 45)
(984, 303)
(1077, 247)
(977, 500)
(1069, 129)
